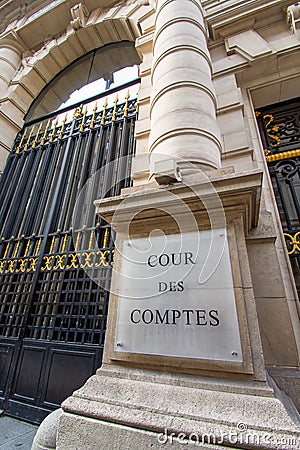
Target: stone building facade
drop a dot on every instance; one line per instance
(219, 104)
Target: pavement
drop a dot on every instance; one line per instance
(16, 434)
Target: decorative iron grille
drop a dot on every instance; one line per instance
(280, 131)
(54, 279)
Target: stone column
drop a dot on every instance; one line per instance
(10, 58)
(160, 375)
(183, 102)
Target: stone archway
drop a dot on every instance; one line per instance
(34, 68)
(97, 64)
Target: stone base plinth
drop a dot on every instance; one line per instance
(157, 395)
(119, 409)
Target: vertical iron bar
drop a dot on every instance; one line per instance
(8, 194)
(69, 191)
(83, 172)
(7, 175)
(26, 195)
(122, 157)
(290, 182)
(281, 195)
(43, 245)
(19, 191)
(55, 154)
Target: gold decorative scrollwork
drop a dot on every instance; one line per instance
(60, 262)
(33, 264)
(2, 265)
(56, 262)
(293, 242)
(271, 129)
(77, 113)
(88, 256)
(73, 261)
(22, 262)
(48, 262)
(11, 266)
(103, 260)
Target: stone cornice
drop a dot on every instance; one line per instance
(34, 27)
(11, 10)
(239, 191)
(230, 17)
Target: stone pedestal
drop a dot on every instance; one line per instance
(154, 389)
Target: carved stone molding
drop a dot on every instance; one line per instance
(80, 14)
(293, 18)
(248, 44)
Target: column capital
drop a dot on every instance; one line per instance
(11, 40)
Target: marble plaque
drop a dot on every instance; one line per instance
(176, 297)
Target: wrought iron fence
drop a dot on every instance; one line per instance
(54, 279)
(280, 131)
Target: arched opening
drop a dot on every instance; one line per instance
(98, 64)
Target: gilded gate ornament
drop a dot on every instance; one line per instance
(73, 261)
(293, 242)
(48, 262)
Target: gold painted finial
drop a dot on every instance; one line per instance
(6, 250)
(52, 244)
(17, 248)
(21, 142)
(28, 140)
(27, 247)
(92, 124)
(42, 142)
(126, 109)
(114, 115)
(37, 251)
(104, 112)
(92, 238)
(83, 120)
(106, 238)
(37, 136)
(60, 134)
(64, 245)
(77, 240)
(53, 130)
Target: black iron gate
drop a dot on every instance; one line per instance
(54, 278)
(280, 130)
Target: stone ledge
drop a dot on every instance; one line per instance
(143, 405)
(240, 191)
